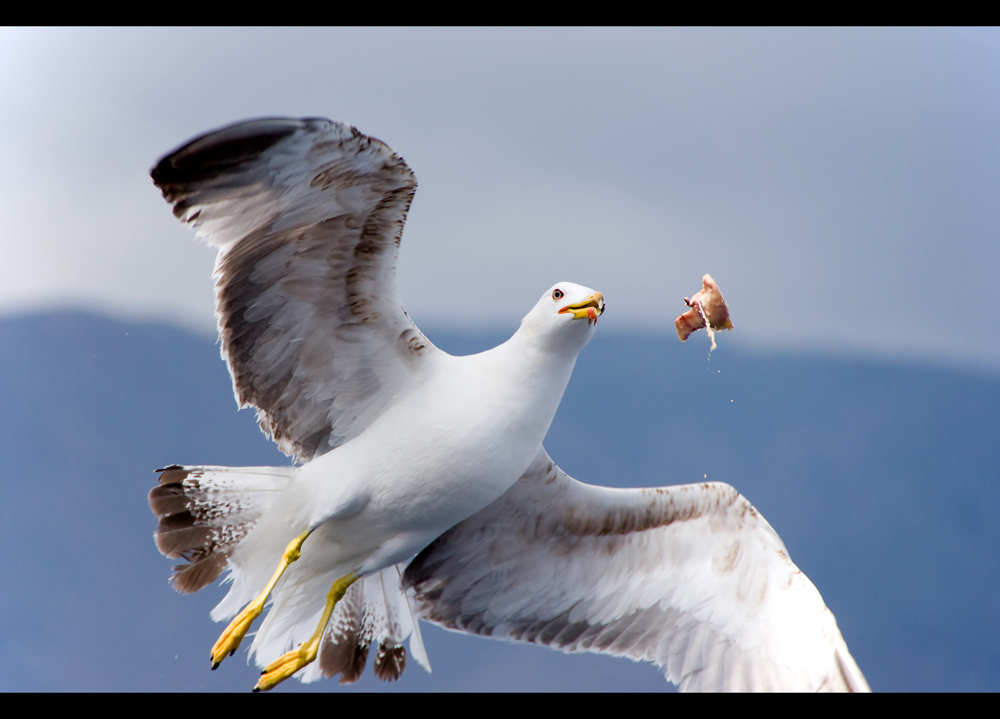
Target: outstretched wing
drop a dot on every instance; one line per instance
(307, 216)
(689, 577)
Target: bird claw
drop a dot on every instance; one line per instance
(229, 640)
(286, 665)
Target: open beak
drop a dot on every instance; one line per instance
(591, 308)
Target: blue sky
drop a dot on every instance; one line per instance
(840, 185)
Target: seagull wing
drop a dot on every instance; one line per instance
(307, 216)
(691, 577)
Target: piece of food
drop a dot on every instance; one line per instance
(708, 309)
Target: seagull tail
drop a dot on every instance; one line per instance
(204, 513)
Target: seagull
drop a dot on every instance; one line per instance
(420, 489)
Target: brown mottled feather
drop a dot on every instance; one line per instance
(202, 522)
(190, 578)
(690, 577)
(389, 662)
(308, 216)
(344, 649)
(366, 615)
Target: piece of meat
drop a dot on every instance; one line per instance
(707, 307)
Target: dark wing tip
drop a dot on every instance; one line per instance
(390, 662)
(213, 153)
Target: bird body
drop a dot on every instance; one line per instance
(449, 445)
(423, 490)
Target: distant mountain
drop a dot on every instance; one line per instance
(882, 480)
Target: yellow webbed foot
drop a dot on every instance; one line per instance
(230, 639)
(286, 665)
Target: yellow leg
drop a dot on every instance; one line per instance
(286, 665)
(230, 640)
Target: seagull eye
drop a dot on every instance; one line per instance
(557, 295)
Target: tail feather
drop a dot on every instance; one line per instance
(374, 609)
(204, 512)
(345, 646)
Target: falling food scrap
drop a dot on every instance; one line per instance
(708, 309)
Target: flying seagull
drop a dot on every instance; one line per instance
(421, 489)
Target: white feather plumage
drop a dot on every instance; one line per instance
(410, 449)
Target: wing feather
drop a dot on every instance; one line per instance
(689, 577)
(308, 216)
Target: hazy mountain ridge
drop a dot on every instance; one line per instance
(881, 479)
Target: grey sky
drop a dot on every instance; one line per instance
(841, 185)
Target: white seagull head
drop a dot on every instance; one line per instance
(566, 314)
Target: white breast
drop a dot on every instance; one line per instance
(449, 447)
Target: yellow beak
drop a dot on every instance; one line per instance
(591, 308)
